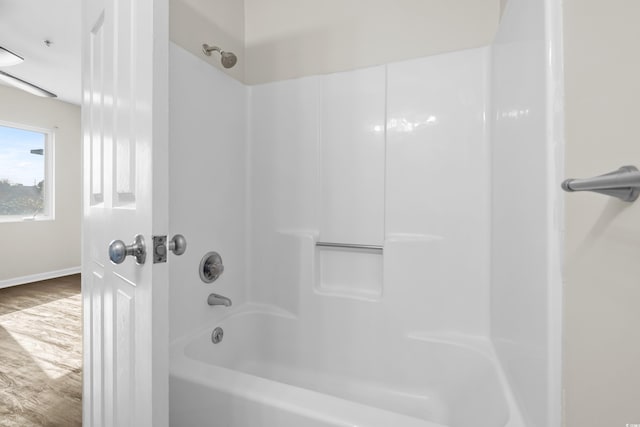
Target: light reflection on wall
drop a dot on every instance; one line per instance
(405, 125)
(513, 114)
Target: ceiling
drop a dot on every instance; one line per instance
(24, 27)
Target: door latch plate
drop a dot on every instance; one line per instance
(159, 249)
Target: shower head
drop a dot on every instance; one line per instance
(228, 59)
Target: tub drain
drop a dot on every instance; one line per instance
(216, 335)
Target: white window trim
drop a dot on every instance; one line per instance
(49, 175)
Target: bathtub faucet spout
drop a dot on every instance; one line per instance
(215, 299)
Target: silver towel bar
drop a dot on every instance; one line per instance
(623, 184)
(349, 246)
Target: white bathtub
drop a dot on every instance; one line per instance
(270, 370)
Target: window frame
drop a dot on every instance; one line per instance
(49, 210)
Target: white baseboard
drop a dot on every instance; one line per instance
(38, 277)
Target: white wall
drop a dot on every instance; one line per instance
(31, 250)
(391, 155)
(602, 318)
(437, 215)
(207, 158)
(526, 207)
(415, 133)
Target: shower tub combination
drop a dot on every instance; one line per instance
(388, 240)
(272, 369)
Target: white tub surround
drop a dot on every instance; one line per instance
(387, 332)
(527, 209)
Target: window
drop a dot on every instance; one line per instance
(26, 173)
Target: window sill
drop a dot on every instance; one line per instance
(16, 219)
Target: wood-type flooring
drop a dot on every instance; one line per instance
(41, 354)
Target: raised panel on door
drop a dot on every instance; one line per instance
(96, 110)
(97, 356)
(124, 144)
(124, 314)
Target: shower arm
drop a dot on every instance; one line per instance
(208, 49)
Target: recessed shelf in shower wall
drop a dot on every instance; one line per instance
(349, 272)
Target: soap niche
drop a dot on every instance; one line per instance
(349, 272)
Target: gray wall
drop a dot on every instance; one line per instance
(602, 272)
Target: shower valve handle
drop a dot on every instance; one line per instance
(211, 267)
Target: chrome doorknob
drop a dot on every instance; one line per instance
(178, 244)
(118, 251)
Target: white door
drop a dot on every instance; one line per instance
(125, 145)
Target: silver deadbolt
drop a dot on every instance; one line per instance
(118, 251)
(211, 267)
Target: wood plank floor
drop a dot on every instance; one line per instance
(41, 354)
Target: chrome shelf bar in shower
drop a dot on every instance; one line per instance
(349, 246)
(623, 184)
